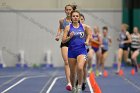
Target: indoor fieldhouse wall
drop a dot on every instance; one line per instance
(57, 4)
(30, 31)
(31, 26)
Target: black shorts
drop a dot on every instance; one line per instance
(103, 51)
(134, 49)
(124, 48)
(87, 50)
(64, 44)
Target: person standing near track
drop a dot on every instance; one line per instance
(96, 42)
(75, 34)
(135, 47)
(64, 46)
(124, 42)
(106, 42)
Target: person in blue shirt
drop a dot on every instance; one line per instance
(106, 42)
(89, 58)
(75, 33)
(64, 46)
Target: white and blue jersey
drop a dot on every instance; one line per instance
(77, 42)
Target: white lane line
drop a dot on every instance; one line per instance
(54, 81)
(37, 76)
(90, 87)
(13, 85)
(21, 74)
(130, 82)
(7, 76)
(10, 76)
(48, 81)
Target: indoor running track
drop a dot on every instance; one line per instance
(52, 80)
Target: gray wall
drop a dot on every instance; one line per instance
(30, 31)
(49, 4)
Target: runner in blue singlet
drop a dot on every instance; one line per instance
(75, 34)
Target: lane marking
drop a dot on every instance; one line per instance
(14, 85)
(131, 83)
(128, 81)
(48, 81)
(54, 81)
(7, 76)
(25, 78)
(90, 87)
(28, 77)
(37, 76)
(21, 74)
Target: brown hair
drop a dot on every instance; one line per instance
(74, 7)
(73, 12)
(105, 28)
(82, 16)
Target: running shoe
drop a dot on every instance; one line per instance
(97, 73)
(83, 86)
(78, 90)
(117, 72)
(73, 90)
(100, 73)
(90, 70)
(76, 83)
(69, 87)
(136, 69)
